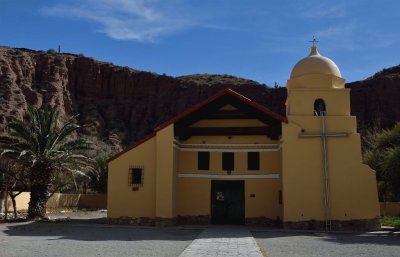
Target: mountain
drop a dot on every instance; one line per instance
(119, 105)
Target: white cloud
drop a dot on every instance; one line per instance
(125, 19)
(324, 12)
(320, 10)
(336, 31)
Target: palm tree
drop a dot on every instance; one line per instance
(45, 149)
(383, 155)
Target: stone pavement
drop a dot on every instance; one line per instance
(223, 241)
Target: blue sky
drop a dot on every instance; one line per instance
(254, 39)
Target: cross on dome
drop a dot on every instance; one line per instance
(314, 41)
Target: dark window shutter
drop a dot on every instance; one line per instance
(253, 161)
(228, 161)
(137, 174)
(203, 160)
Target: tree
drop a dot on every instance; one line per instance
(99, 182)
(46, 150)
(383, 155)
(2, 189)
(14, 182)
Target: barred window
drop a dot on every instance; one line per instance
(136, 176)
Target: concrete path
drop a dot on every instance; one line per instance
(223, 241)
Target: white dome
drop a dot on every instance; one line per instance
(315, 64)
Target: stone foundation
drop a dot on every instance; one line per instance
(161, 222)
(143, 221)
(263, 221)
(194, 220)
(336, 225)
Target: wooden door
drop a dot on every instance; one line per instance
(227, 202)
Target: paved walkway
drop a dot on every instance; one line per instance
(223, 241)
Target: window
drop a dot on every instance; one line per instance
(253, 160)
(228, 161)
(319, 107)
(203, 160)
(135, 176)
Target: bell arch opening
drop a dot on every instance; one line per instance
(319, 107)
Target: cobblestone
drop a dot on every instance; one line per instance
(223, 241)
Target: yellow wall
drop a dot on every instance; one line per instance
(301, 101)
(122, 201)
(270, 163)
(59, 200)
(353, 192)
(166, 196)
(266, 200)
(194, 197)
(165, 176)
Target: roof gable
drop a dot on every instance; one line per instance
(233, 98)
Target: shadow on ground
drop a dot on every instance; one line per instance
(337, 237)
(85, 231)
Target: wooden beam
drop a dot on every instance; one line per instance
(218, 131)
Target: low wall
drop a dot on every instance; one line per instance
(58, 200)
(390, 209)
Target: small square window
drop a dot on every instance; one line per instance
(253, 161)
(135, 176)
(203, 160)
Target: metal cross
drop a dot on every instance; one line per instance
(314, 41)
(324, 136)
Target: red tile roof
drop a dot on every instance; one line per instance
(197, 107)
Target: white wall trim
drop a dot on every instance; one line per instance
(200, 145)
(250, 176)
(226, 149)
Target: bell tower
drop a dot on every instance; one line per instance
(316, 81)
(324, 183)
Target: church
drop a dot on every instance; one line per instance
(229, 160)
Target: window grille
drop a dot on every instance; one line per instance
(136, 176)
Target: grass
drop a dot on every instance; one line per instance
(391, 221)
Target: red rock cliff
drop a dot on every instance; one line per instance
(119, 105)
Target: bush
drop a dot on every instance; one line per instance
(391, 221)
(51, 51)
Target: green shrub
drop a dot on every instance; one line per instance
(392, 221)
(51, 51)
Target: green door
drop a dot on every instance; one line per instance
(227, 202)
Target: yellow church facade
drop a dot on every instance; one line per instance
(229, 160)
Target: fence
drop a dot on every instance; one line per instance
(58, 200)
(390, 208)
